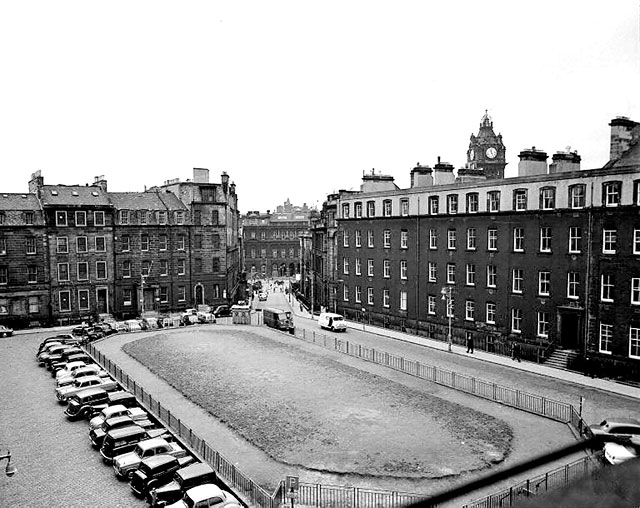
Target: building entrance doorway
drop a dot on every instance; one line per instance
(102, 306)
(199, 295)
(570, 325)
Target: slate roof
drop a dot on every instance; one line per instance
(19, 202)
(73, 195)
(149, 200)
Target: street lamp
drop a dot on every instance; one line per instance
(10, 470)
(446, 295)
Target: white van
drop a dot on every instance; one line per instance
(333, 322)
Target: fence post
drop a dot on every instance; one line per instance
(495, 392)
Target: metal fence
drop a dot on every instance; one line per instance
(537, 485)
(224, 468)
(537, 404)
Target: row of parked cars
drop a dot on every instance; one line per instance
(139, 448)
(97, 331)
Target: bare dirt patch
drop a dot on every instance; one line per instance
(312, 411)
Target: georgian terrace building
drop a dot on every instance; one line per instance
(549, 258)
(68, 253)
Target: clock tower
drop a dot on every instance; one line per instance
(486, 154)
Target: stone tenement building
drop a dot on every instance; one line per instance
(549, 259)
(68, 252)
(271, 241)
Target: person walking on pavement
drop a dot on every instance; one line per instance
(515, 351)
(470, 344)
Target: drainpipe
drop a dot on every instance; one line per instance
(418, 279)
(587, 327)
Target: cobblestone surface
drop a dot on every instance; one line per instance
(56, 464)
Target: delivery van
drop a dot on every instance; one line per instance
(333, 322)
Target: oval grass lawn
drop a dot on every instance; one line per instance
(310, 410)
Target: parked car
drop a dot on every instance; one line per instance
(618, 427)
(87, 370)
(183, 480)
(68, 369)
(262, 296)
(96, 435)
(206, 317)
(188, 319)
(63, 338)
(50, 349)
(135, 413)
(124, 465)
(64, 392)
(86, 402)
(5, 331)
(151, 472)
(332, 321)
(62, 356)
(120, 326)
(55, 365)
(124, 398)
(222, 311)
(121, 441)
(617, 453)
(207, 495)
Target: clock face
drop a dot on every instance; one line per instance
(492, 152)
(472, 155)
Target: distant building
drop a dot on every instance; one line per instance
(71, 252)
(549, 259)
(271, 241)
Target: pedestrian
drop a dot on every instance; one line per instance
(470, 343)
(515, 351)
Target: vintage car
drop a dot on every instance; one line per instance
(124, 440)
(617, 453)
(63, 338)
(87, 370)
(55, 364)
(114, 410)
(183, 480)
(207, 495)
(96, 435)
(49, 350)
(61, 355)
(64, 392)
(619, 428)
(151, 472)
(68, 369)
(5, 331)
(222, 311)
(86, 402)
(124, 465)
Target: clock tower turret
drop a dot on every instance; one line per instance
(486, 155)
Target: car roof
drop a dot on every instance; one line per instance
(620, 421)
(90, 391)
(152, 443)
(126, 431)
(157, 460)
(193, 470)
(204, 492)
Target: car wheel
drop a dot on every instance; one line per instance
(4, 334)
(129, 475)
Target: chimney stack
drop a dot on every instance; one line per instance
(623, 132)
(421, 176)
(564, 162)
(532, 162)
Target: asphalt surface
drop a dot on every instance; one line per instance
(56, 464)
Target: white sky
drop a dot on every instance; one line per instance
(294, 99)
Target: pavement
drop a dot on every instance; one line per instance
(608, 385)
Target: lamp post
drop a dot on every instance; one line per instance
(446, 295)
(10, 470)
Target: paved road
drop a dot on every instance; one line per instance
(56, 464)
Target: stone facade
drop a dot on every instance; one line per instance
(75, 252)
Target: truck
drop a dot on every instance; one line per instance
(278, 319)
